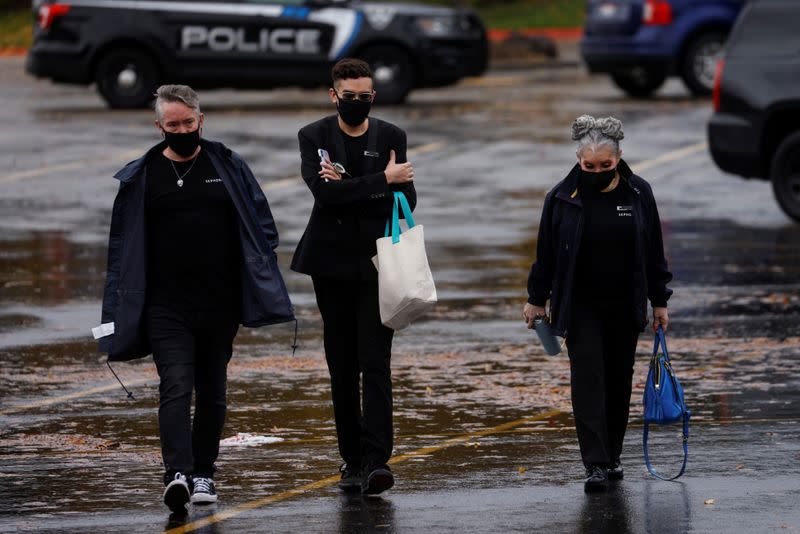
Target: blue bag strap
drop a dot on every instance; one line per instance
(650, 468)
(661, 340)
(394, 221)
(401, 197)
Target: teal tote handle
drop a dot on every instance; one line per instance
(399, 199)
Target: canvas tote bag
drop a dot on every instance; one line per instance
(405, 283)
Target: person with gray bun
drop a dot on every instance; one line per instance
(599, 259)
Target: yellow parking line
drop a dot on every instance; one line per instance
(123, 157)
(670, 157)
(325, 482)
(71, 396)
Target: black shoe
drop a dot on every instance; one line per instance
(203, 490)
(596, 479)
(615, 472)
(378, 480)
(176, 495)
(351, 478)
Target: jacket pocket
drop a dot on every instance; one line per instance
(129, 339)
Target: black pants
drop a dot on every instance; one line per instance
(191, 351)
(357, 346)
(602, 345)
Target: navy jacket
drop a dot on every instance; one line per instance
(552, 275)
(348, 215)
(265, 299)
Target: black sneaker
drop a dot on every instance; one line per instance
(176, 495)
(351, 478)
(203, 490)
(378, 480)
(596, 479)
(615, 472)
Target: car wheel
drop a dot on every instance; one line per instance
(700, 62)
(639, 82)
(126, 78)
(392, 71)
(785, 175)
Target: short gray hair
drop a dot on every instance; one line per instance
(177, 93)
(593, 133)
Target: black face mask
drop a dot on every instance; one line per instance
(594, 182)
(353, 112)
(183, 144)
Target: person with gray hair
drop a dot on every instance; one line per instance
(599, 259)
(191, 256)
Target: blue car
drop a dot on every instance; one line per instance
(642, 42)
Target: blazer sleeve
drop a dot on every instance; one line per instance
(381, 206)
(336, 193)
(259, 202)
(658, 276)
(540, 278)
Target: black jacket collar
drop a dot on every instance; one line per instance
(132, 169)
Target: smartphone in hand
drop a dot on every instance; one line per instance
(323, 157)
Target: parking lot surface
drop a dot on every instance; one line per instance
(485, 438)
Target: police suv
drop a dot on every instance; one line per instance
(129, 47)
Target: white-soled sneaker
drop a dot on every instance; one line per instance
(176, 495)
(204, 491)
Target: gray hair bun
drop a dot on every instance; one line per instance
(607, 126)
(582, 126)
(611, 127)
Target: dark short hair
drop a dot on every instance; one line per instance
(350, 69)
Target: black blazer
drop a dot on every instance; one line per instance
(348, 215)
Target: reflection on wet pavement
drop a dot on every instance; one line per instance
(76, 455)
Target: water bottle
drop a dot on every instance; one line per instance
(548, 339)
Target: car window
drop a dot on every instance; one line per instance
(766, 29)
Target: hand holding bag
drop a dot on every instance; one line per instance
(663, 401)
(405, 283)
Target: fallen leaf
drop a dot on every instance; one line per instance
(487, 368)
(739, 466)
(522, 470)
(709, 502)
(429, 390)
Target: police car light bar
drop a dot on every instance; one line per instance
(49, 12)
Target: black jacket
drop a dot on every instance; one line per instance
(552, 275)
(348, 215)
(264, 296)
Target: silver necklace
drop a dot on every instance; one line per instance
(182, 176)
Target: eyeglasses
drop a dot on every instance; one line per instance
(350, 96)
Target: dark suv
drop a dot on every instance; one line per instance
(129, 47)
(755, 129)
(641, 42)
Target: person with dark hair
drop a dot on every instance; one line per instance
(353, 163)
(599, 258)
(191, 256)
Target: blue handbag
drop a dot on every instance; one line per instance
(663, 401)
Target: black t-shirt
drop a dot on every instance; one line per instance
(355, 147)
(194, 250)
(604, 272)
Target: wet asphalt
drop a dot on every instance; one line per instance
(485, 439)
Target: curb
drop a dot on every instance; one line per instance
(13, 52)
(556, 34)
